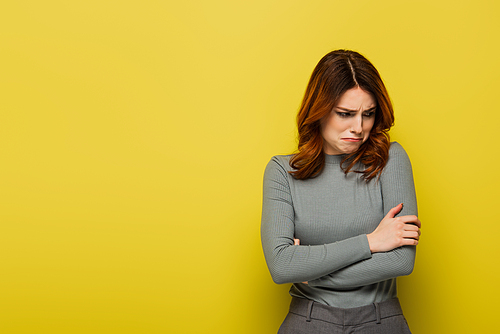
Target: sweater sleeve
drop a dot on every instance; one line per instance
(397, 187)
(288, 263)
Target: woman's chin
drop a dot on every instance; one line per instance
(351, 149)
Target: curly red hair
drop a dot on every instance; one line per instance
(337, 72)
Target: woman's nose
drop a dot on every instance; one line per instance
(357, 126)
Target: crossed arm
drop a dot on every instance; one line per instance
(387, 252)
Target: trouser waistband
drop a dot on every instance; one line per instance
(345, 316)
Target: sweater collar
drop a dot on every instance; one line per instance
(334, 159)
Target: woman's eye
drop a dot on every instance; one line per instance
(369, 114)
(343, 114)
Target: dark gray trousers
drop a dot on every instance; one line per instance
(308, 317)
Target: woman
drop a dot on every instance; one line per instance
(339, 216)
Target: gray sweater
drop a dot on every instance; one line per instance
(331, 215)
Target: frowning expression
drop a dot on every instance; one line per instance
(349, 124)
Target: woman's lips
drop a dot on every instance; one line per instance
(354, 140)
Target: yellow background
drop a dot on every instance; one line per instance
(134, 135)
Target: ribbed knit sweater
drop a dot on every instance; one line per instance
(331, 214)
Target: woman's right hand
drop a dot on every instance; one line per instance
(394, 232)
(296, 242)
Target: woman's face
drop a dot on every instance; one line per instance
(349, 124)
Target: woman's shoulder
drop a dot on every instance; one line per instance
(396, 147)
(396, 150)
(280, 161)
(398, 158)
(278, 168)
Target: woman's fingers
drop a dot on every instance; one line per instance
(411, 235)
(411, 231)
(409, 242)
(394, 232)
(394, 211)
(411, 219)
(412, 227)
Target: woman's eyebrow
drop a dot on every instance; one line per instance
(350, 110)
